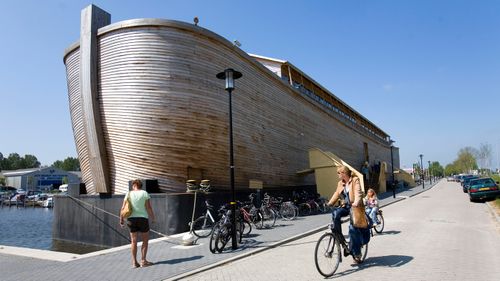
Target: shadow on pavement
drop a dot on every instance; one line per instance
(251, 235)
(390, 232)
(388, 261)
(176, 261)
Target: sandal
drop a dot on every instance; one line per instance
(146, 263)
(136, 265)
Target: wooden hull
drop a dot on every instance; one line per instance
(164, 114)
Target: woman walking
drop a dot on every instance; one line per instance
(138, 221)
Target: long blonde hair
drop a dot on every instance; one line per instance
(345, 170)
(374, 193)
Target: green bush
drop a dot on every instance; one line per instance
(495, 177)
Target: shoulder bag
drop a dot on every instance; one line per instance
(358, 217)
(126, 211)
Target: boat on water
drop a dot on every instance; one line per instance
(153, 108)
(48, 203)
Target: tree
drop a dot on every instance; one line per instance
(15, 162)
(69, 164)
(452, 169)
(484, 155)
(436, 169)
(30, 161)
(466, 161)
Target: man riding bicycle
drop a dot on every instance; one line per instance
(351, 195)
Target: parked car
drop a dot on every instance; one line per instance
(63, 188)
(466, 183)
(458, 178)
(485, 188)
(465, 177)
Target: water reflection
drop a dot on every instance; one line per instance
(26, 227)
(31, 227)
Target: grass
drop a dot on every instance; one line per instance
(497, 203)
(496, 178)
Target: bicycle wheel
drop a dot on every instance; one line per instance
(247, 228)
(257, 219)
(364, 252)
(287, 211)
(202, 226)
(327, 255)
(304, 209)
(222, 238)
(211, 244)
(269, 217)
(379, 227)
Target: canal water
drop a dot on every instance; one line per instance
(32, 228)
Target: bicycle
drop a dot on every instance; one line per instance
(247, 220)
(268, 213)
(252, 215)
(286, 210)
(380, 226)
(223, 232)
(203, 226)
(224, 219)
(327, 254)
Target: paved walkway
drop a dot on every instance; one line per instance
(436, 235)
(172, 260)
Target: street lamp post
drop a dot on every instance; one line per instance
(430, 175)
(392, 170)
(422, 171)
(229, 75)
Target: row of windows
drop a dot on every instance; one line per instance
(331, 107)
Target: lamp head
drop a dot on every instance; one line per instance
(229, 75)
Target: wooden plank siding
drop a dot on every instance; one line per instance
(164, 112)
(92, 18)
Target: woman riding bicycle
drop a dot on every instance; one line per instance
(350, 194)
(371, 203)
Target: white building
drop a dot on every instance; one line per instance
(39, 178)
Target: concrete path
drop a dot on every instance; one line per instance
(172, 261)
(437, 235)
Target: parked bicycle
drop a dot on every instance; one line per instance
(285, 210)
(268, 213)
(250, 216)
(222, 232)
(253, 214)
(203, 226)
(328, 254)
(300, 200)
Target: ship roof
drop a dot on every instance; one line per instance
(358, 115)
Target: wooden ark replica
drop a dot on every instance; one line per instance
(145, 103)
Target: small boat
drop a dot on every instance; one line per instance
(48, 203)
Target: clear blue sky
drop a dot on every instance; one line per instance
(426, 72)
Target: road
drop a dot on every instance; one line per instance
(435, 235)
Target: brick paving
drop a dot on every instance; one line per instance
(172, 261)
(438, 235)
